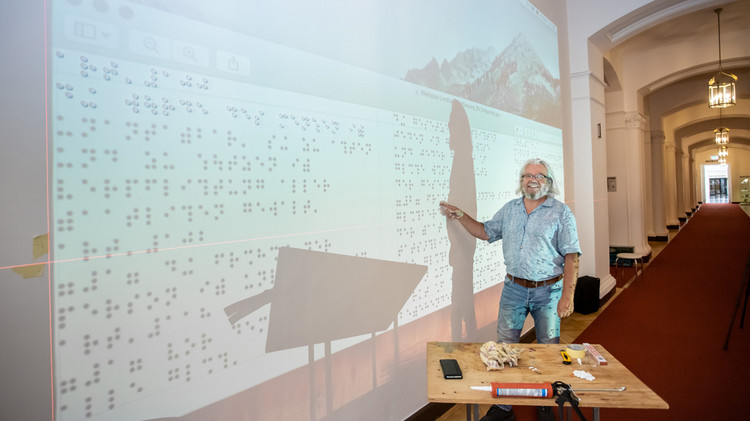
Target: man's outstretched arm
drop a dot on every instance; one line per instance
(471, 225)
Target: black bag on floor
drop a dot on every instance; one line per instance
(586, 298)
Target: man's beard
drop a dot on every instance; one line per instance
(543, 190)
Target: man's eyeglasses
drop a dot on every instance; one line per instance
(539, 177)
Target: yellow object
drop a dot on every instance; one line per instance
(575, 351)
(40, 245)
(30, 271)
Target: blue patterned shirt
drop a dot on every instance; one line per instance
(534, 245)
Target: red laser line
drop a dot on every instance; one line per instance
(217, 243)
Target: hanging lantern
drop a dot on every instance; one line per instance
(722, 91)
(721, 136)
(723, 151)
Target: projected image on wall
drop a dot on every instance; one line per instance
(244, 197)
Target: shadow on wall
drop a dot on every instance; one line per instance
(321, 297)
(463, 193)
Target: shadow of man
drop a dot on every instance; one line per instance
(463, 193)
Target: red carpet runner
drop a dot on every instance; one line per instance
(669, 327)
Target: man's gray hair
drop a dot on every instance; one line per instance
(551, 181)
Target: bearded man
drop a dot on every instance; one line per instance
(541, 251)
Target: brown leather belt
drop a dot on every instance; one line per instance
(534, 284)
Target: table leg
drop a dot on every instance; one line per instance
(596, 414)
(617, 261)
(472, 409)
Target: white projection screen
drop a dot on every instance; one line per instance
(243, 197)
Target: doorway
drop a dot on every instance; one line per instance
(718, 190)
(717, 187)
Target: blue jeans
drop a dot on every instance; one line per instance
(517, 302)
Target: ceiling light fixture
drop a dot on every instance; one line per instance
(723, 151)
(721, 135)
(721, 87)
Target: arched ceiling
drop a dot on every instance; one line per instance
(682, 25)
(680, 21)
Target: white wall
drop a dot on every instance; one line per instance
(25, 379)
(625, 134)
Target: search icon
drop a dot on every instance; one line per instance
(189, 53)
(150, 44)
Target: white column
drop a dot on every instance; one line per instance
(657, 185)
(635, 125)
(694, 182)
(670, 184)
(679, 182)
(687, 201)
(625, 162)
(590, 203)
(648, 198)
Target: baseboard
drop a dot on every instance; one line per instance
(608, 283)
(659, 238)
(608, 296)
(673, 227)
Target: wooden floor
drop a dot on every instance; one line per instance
(570, 328)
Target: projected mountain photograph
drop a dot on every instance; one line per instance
(505, 59)
(515, 80)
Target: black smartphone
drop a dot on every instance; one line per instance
(451, 370)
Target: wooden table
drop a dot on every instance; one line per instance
(549, 368)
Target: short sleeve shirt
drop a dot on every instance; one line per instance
(535, 244)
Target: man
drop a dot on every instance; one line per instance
(540, 248)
